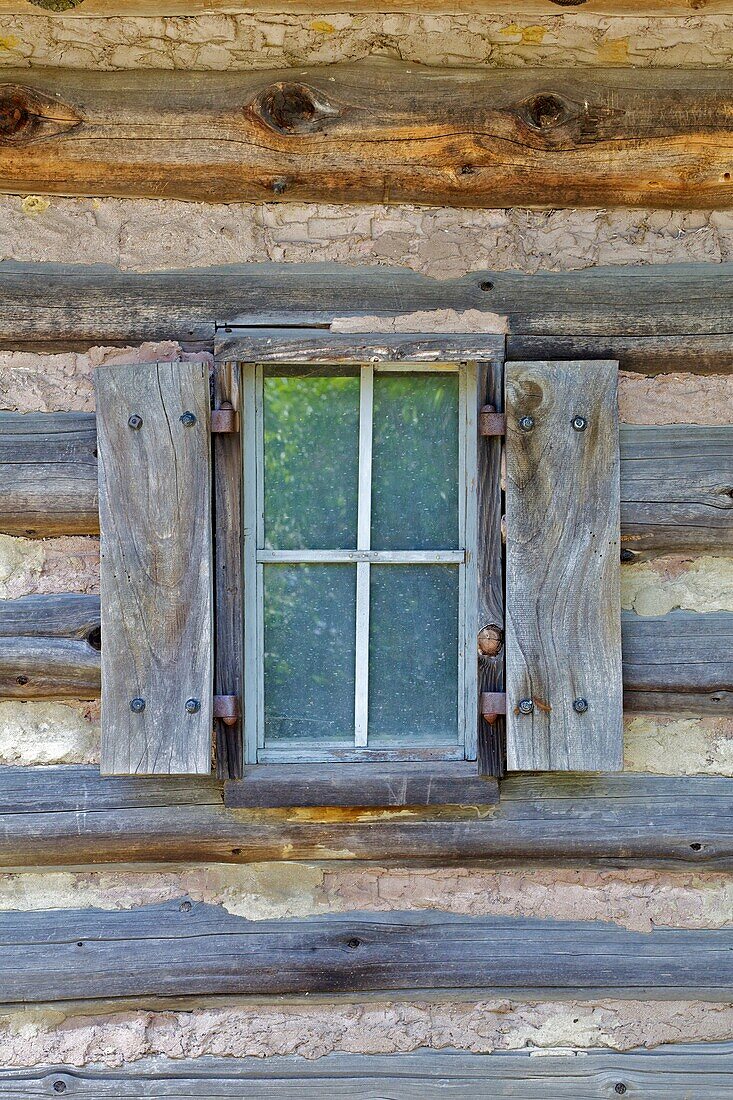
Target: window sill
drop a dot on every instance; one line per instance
(286, 786)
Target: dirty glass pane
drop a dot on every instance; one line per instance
(310, 613)
(415, 462)
(311, 437)
(413, 660)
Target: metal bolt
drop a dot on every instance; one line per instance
(525, 706)
(192, 706)
(620, 1088)
(59, 1086)
(526, 423)
(580, 706)
(135, 422)
(188, 420)
(579, 423)
(137, 705)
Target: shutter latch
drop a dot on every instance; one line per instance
(491, 422)
(226, 709)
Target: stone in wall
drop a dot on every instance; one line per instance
(150, 235)
(45, 732)
(271, 40)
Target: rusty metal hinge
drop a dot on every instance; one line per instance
(226, 709)
(493, 703)
(491, 422)
(224, 420)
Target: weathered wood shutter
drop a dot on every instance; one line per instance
(153, 423)
(563, 628)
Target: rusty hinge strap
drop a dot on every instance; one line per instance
(226, 709)
(493, 703)
(224, 420)
(491, 422)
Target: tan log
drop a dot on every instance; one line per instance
(374, 131)
(509, 8)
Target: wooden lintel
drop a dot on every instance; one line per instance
(373, 131)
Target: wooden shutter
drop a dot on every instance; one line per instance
(153, 423)
(563, 632)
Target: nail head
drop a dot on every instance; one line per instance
(137, 705)
(525, 706)
(526, 423)
(135, 422)
(580, 706)
(188, 420)
(193, 706)
(579, 423)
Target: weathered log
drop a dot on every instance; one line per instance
(184, 948)
(498, 7)
(48, 474)
(633, 314)
(69, 815)
(374, 131)
(670, 1072)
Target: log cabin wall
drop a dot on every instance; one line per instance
(108, 1034)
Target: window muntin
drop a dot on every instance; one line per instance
(360, 530)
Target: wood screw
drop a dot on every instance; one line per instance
(188, 420)
(525, 706)
(580, 706)
(579, 423)
(526, 423)
(135, 422)
(137, 705)
(192, 706)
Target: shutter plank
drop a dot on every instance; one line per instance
(156, 572)
(563, 637)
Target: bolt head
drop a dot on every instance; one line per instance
(525, 706)
(188, 419)
(135, 422)
(526, 423)
(620, 1088)
(579, 423)
(193, 706)
(580, 706)
(137, 705)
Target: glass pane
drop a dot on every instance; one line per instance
(415, 462)
(311, 430)
(413, 661)
(310, 616)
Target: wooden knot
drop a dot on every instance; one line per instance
(57, 5)
(26, 114)
(546, 110)
(14, 116)
(289, 108)
(490, 641)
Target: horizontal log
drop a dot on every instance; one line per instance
(406, 784)
(676, 491)
(49, 646)
(633, 314)
(69, 815)
(671, 1072)
(48, 474)
(191, 949)
(374, 131)
(659, 8)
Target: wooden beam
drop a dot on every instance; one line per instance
(374, 131)
(69, 815)
(48, 474)
(652, 318)
(533, 8)
(184, 948)
(670, 1072)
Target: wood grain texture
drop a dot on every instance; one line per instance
(563, 632)
(303, 345)
(185, 948)
(49, 647)
(641, 310)
(672, 1072)
(228, 667)
(156, 568)
(69, 815)
(48, 474)
(374, 131)
(657, 8)
(406, 784)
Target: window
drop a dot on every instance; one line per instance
(359, 558)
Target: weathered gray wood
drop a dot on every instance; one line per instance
(563, 633)
(228, 668)
(67, 615)
(184, 948)
(671, 1072)
(48, 474)
(634, 314)
(678, 661)
(677, 487)
(407, 784)
(68, 815)
(48, 668)
(303, 345)
(156, 571)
